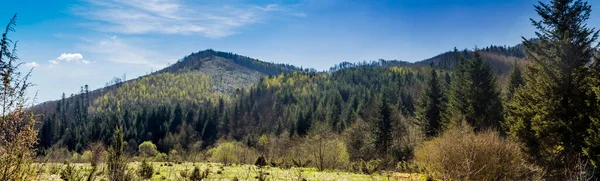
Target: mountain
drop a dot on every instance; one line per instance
(198, 77)
(210, 94)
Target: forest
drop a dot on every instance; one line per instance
(527, 112)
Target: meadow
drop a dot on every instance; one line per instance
(218, 171)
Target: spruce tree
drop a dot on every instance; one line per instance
(556, 113)
(383, 127)
(473, 95)
(515, 80)
(431, 108)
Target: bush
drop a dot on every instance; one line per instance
(368, 168)
(76, 158)
(86, 156)
(160, 157)
(198, 175)
(326, 151)
(70, 173)
(98, 152)
(146, 170)
(147, 149)
(228, 152)
(460, 154)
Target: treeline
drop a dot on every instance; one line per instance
(380, 63)
(195, 60)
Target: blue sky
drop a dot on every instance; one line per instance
(73, 43)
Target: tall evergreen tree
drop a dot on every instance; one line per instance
(473, 95)
(555, 114)
(383, 127)
(515, 80)
(431, 108)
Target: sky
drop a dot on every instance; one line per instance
(88, 42)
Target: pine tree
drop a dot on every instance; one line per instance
(473, 95)
(515, 80)
(555, 114)
(431, 108)
(383, 127)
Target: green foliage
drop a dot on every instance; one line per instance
(260, 161)
(366, 167)
(117, 163)
(515, 81)
(229, 152)
(198, 175)
(146, 170)
(147, 149)
(555, 114)
(474, 97)
(383, 128)
(432, 105)
(71, 173)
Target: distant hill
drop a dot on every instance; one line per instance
(198, 77)
(501, 58)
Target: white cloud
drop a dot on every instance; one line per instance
(69, 57)
(31, 64)
(124, 51)
(171, 16)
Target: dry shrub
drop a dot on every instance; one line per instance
(460, 154)
(18, 135)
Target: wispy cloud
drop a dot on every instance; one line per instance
(31, 64)
(171, 16)
(124, 51)
(69, 57)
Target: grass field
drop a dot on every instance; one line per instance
(170, 171)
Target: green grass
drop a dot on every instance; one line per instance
(164, 171)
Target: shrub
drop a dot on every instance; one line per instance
(98, 152)
(146, 170)
(368, 168)
(117, 164)
(160, 157)
(198, 175)
(86, 156)
(70, 173)
(174, 156)
(228, 152)
(460, 154)
(76, 158)
(147, 149)
(260, 161)
(327, 151)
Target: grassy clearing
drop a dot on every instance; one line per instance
(170, 171)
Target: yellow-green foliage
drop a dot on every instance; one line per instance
(228, 152)
(147, 149)
(327, 152)
(165, 88)
(460, 154)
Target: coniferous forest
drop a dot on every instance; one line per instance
(524, 112)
